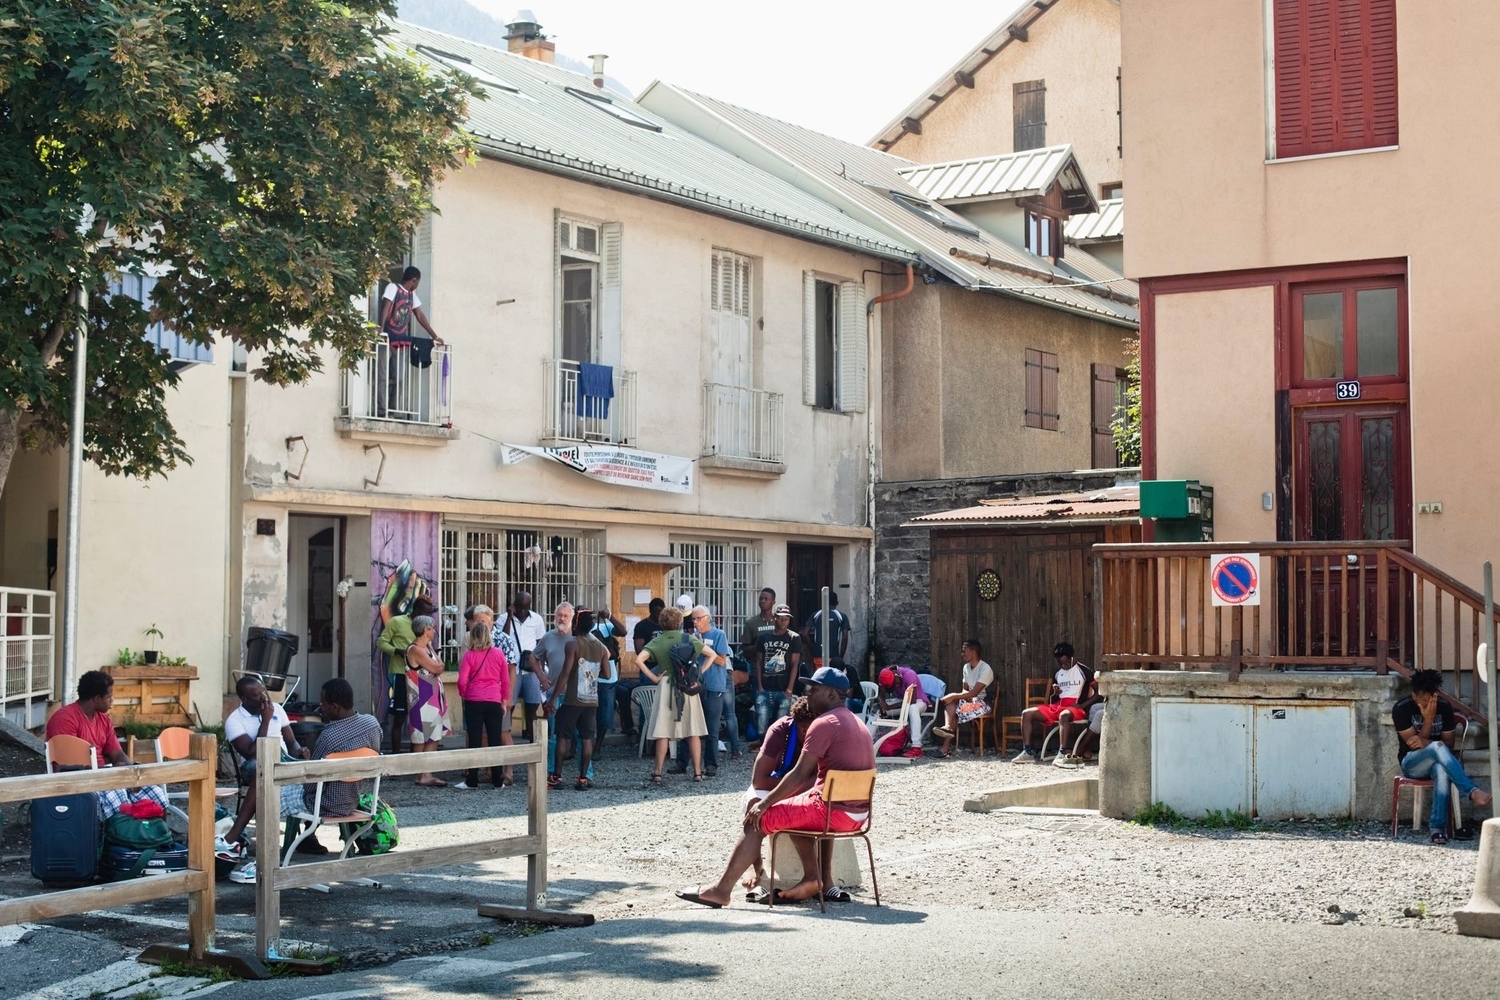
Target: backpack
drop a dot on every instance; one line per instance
(384, 835)
(893, 745)
(685, 676)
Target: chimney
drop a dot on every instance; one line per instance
(598, 61)
(523, 35)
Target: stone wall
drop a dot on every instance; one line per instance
(902, 599)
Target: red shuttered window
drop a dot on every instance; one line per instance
(1335, 75)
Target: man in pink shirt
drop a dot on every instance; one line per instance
(88, 719)
(836, 741)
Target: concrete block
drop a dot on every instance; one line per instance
(1481, 916)
(1075, 793)
(848, 866)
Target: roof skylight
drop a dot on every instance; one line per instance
(930, 212)
(609, 107)
(467, 68)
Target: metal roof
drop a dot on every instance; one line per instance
(868, 185)
(1115, 502)
(1007, 175)
(1013, 27)
(548, 118)
(1106, 224)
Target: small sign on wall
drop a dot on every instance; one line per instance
(1234, 579)
(1346, 390)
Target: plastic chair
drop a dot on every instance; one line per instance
(361, 821)
(898, 723)
(1054, 732)
(174, 743)
(872, 700)
(644, 698)
(838, 786)
(1419, 788)
(1010, 725)
(70, 751)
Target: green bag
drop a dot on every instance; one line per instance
(137, 834)
(383, 836)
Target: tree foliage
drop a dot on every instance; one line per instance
(1127, 423)
(266, 159)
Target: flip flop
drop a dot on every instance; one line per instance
(760, 894)
(693, 897)
(837, 894)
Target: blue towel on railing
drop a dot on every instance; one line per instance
(596, 387)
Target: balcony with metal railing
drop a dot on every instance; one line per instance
(26, 650)
(390, 395)
(742, 431)
(574, 415)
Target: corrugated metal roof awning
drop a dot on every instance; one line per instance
(1114, 503)
(1106, 224)
(636, 557)
(1007, 175)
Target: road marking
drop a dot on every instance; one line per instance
(116, 976)
(445, 970)
(15, 932)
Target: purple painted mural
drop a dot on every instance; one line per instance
(403, 564)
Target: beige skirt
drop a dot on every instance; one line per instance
(664, 722)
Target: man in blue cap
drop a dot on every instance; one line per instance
(836, 741)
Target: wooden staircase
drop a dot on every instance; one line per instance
(1370, 606)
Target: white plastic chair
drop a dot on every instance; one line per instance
(313, 819)
(935, 688)
(175, 743)
(644, 697)
(872, 700)
(877, 723)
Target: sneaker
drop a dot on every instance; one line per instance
(943, 731)
(462, 786)
(1067, 762)
(224, 849)
(244, 875)
(677, 769)
(709, 771)
(1024, 757)
(914, 753)
(723, 747)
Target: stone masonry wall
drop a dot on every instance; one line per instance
(902, 596)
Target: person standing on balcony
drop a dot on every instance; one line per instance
(1425, 726)
(398, 306)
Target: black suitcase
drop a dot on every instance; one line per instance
(121, 863)
(65, 838)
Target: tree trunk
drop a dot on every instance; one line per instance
(10, 439)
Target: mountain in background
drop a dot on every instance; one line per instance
(456, 17)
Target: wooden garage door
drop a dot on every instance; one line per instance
(1046, 596)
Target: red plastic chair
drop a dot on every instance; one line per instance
(1419, 786)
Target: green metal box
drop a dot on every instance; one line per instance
(1171, 499)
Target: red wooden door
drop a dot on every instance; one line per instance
(1352, 483)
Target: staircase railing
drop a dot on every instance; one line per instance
(1324, 606)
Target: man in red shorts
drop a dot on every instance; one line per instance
(836, 741)
(1071, 684)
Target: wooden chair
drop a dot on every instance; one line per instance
(838, 786)
(70, 751)
(1010, 725)
(311, 820)
(1419, 787)
(979, 725)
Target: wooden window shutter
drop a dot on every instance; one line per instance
(1335, 75)
(421, 259)
(809, 338)
(853, 375)
(611, 282)
(1103, 383)
(1029, 114)
(1041, 390)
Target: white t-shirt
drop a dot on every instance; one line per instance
(241, 723)
(390, 295)
(526, 630)
(979, 673)
(1070, 682)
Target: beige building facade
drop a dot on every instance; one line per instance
(1280, 277)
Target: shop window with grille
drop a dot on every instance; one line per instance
(722, 575)
(487, 564)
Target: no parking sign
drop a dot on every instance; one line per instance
(1234, 579)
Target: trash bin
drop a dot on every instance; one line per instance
(269, 650)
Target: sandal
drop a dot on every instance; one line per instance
(760, 894)
(944, 754)
(837, 894)
(1439, 837)
(656, 778)
(554, 781)
(583, 784)
(698, 776)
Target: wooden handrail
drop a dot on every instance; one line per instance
(1166, 549)
(1470, 596)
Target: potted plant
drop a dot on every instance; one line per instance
(152, 634)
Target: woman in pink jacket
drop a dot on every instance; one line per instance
(484, 686)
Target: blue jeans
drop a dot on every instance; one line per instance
(606, 718)
(715, 704)
(769, 706)
(1437, 762)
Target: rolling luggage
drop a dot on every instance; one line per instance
(121, 863)
(65, 838)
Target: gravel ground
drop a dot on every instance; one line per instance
(930, 852)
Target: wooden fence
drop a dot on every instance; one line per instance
(197, 882)
(272, 879)
(1324, 605)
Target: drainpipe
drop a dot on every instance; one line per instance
(911, 283)
(75, 499)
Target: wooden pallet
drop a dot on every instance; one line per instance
(156, 695)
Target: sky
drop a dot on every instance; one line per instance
(841, 67)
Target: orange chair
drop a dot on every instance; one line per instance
(838, 786)
(983, 722)
(313, 819)
(70, 751)
(1010, 726)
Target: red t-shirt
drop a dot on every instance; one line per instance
(841, 743)
(97, 732)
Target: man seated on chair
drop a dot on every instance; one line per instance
(1071, 683)
(777, 756)
(344, 729)
(1424, 725)
(256, 717)
(894, 683)
(836, 741)
(1069, 756)
(968, 704)
(88, 719)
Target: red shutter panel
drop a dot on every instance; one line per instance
(1335, 75)
(1322, 54)
(1382, 57)
(1291, 78)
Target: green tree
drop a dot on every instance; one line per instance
(267, 159)
(1127, 423)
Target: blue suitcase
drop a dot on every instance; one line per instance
(120, 863)
(65, 838)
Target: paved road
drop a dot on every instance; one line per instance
(800, 953)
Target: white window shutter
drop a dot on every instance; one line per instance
(421, 259)
(610, 286)
(809, 338)
(853, 365)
